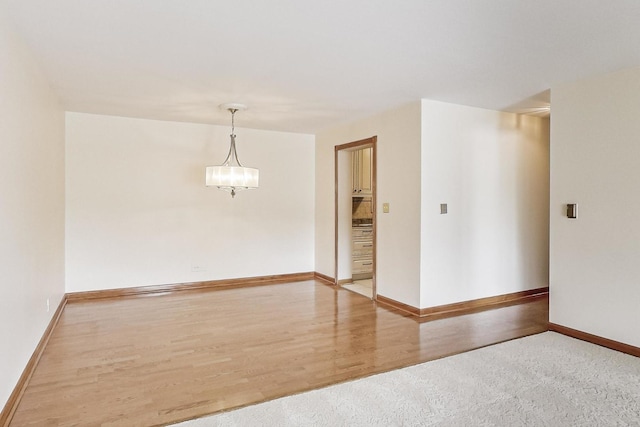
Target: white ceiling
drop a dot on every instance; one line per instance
(302, 66)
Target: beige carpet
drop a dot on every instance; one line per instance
(542, 380)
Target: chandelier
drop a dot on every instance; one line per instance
(231, 176)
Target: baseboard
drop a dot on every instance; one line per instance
(595, 339)
(398, 305)
(191, 286)
(14, 399)
(482, 303)
(324, 278)
(465, 307)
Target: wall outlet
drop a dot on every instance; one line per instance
(198, 268)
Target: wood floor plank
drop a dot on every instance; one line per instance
(163, 359)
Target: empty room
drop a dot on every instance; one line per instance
(330, 213)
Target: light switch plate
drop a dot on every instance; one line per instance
(385, 208)
(443, 208)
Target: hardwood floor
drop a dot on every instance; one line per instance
(161, 359)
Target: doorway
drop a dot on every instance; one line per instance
(355, 216)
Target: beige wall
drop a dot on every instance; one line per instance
(138, 212)
(492, 169)
(31, 206)
(595, 157)
(398, 239)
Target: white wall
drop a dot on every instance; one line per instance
(31, 206)
(595, 158)
(138, 212)
(398, 238)
(492, 169)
